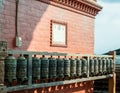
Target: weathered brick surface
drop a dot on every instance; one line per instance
(1, 20)
(34, 28)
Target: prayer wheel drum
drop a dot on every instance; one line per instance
(44, 68)
(21, 68)
(36, 68)
(10, 68)
(78, 67)
(52, 67)
(60, 67)
(66, 67)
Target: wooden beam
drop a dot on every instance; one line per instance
(112, 84)
(23, 87)
(54, 53)
(112, 80)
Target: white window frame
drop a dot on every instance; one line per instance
(58, 34)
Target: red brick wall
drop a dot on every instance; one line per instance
(34, 28)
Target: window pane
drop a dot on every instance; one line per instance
(58, 34)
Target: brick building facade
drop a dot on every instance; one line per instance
(34, 26)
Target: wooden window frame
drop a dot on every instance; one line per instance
(56, 44)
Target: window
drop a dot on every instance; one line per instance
(58, 34)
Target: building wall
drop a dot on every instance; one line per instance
(34, 28)
(1, 16)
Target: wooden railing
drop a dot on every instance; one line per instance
(30, 85)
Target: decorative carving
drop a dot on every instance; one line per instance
(87, 6)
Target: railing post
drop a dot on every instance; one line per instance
(3, 54)
(2, 57)
(112, 81)
(88, 66)
(1, 71)
(29, 59)
(112, 84)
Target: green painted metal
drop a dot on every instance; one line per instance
(10, 68)
(92, 67)
(44, 67)
(111, 65)
(52, 68)
(104, 66)
(100, 65)
(36, 68)
(78, 67)
(66, 67)
(21, 68)
(29, 68)
(108, 65)
(55, 53)
(84, 67)
(60, 67)
(96, 70)
(72, 67)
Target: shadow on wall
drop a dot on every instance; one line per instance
(30, 13)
